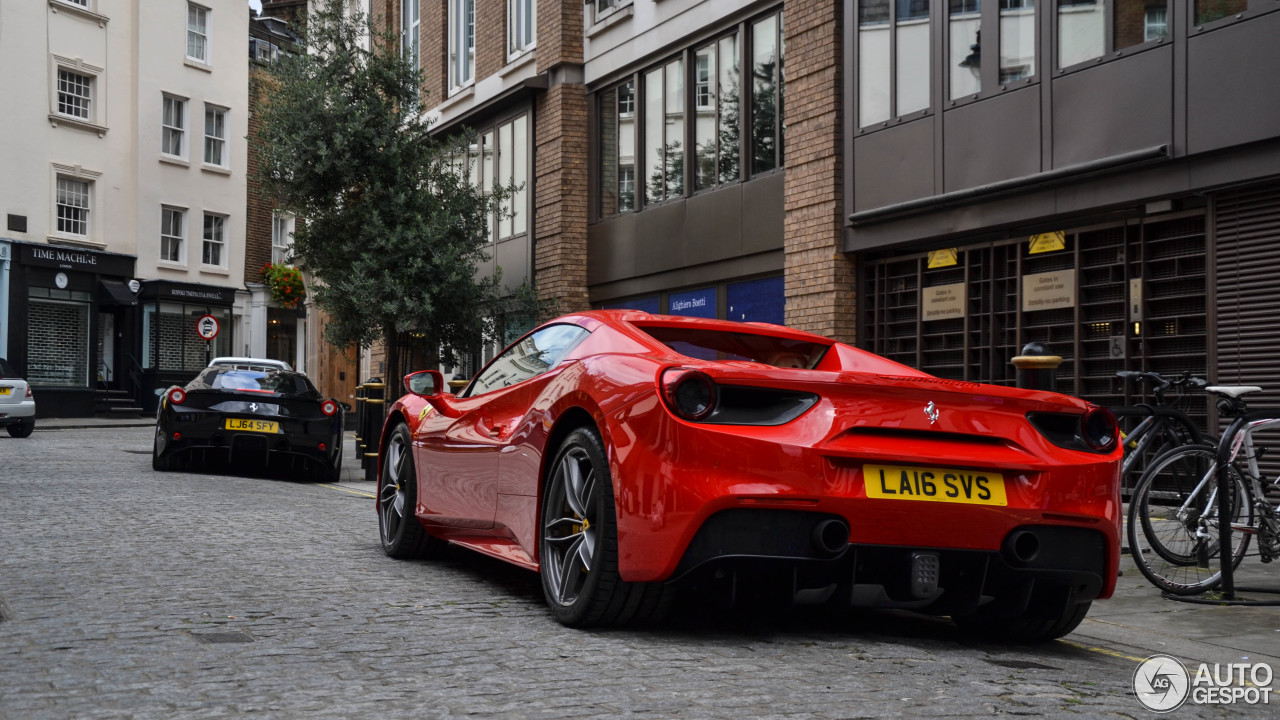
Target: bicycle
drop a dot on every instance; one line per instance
(1163, 426)
(1173, 514)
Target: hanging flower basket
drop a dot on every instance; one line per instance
(284, 282)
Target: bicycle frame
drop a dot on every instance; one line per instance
(1242, 441)
(1156, 418)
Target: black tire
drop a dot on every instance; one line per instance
(1030, 627)
(1165, 521)
(23, 428)
(402, 535)
(159, 461)
(578, 547)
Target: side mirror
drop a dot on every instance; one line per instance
(159, 392)
(426, 383)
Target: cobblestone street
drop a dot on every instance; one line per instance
(126, 593)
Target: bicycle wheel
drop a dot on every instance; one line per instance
(1173, 521)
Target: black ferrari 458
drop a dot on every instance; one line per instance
(262, 420)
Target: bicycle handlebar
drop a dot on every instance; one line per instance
(1161, 383)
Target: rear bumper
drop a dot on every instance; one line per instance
(11, 413)
(776, 550)
(206, 439)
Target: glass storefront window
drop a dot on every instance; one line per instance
(762, 300)
(169, 340)
(57, 342)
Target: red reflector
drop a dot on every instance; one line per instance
(177, 436)
(322, 446)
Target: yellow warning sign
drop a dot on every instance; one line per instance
(1048, 242)
(942, 258)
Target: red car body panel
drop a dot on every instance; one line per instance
(481, 460)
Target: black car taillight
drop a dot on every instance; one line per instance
(328, 407)
(690, 394)
(1094, 431)
(177, 395)
(1099, 429)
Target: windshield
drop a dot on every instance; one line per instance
(265, 381)
(720, 345)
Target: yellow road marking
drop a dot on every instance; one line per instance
(361, 493)
(1102, 651)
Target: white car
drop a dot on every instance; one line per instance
(248, 363)
(17, 406)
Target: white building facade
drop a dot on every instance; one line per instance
(122, 182)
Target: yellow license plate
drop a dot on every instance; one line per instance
(5, 390)
(262, 426)
(900, 482)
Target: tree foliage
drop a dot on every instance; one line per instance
(392, 234)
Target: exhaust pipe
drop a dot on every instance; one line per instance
(1022, 546)
(831, 536)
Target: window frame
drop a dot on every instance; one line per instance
(599, 14)
(86, 100)
(1109, 51)
(203, 13)
(522, 15)
(892, 24)
(280, 250)
(86, 210)
(220, 241)
(216, 110)
(461, 62)
(180, 239)
(410, 30)
(166, 130)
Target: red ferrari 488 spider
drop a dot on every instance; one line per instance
(624, 455)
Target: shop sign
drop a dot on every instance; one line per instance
(942, 302)
(1048, 242)
(1049, 291)
(188, 293)
(82, 260)
(696, 303)
(943, 258)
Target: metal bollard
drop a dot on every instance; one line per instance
(371, 408)
(1037, 369)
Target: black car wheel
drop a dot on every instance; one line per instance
(159, 461)
(23, 428)
(579, 543)
(402, 535)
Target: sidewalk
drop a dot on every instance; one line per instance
(1136, 622)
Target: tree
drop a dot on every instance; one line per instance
(393, 232)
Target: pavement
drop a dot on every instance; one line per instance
(1135, 623)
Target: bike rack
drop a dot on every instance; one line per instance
(1227, 587)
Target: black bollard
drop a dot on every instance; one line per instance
(1037, 369)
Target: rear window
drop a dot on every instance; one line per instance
(719, 345)
(229, 378)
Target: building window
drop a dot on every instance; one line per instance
(664, 132)
(513, 168)
(1209, 10)
(215, 136)
(1017, 40)
(617, 149)
(766, 94)
(964, 67)
(214, 240)
(173, 123)
(73, 206)
(169, 344)
(604, 8)
(522, 18)
(905, 71)
(462, 43)
(75, 94)
(57, 338)
(409, 22)
(718, 128)
(281, 237)
(197, 33)
(1090, 29)
(172, 223)
(1156, 23)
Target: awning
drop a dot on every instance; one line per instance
(117, 293)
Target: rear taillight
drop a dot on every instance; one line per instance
(177, 395)
(328, 407)
(1099, 429)
(28, 391)
(690, 394)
